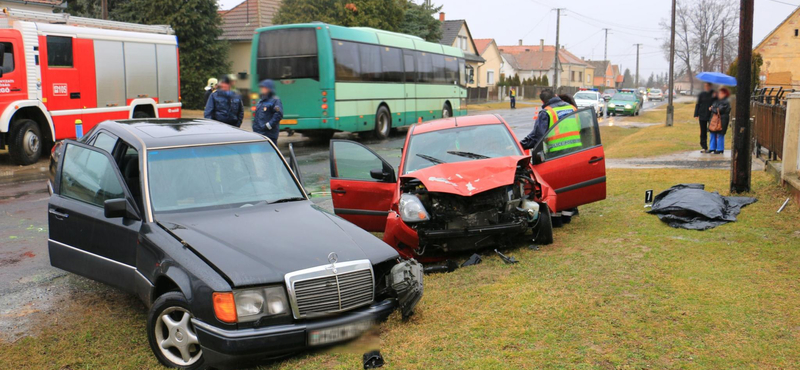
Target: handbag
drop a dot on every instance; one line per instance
(716, 123)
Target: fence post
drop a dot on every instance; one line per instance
(791, 137)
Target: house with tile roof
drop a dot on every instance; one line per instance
(488, 73)
(606, 75)
(34, 5)
(238, 27)
(529, 61)
(456, 33)
(781, 53)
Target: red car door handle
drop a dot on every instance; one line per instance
(595, 160)
(338, 191)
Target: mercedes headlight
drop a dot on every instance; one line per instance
(628, 106)
(252, 304)
(411, 209)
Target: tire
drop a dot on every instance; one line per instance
(447, 111)
(25, 142)
(544, 231)
(178, 333)
(383, 124)
(141, 114)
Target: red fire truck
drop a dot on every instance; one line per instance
(59, 71)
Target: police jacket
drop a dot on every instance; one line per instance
(542, 123)
(226, 107)
(267, 117)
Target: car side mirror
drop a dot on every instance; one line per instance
(382, 175)
(538, 157)
(119, 208)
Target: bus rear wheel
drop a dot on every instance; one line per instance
(447, 111)
(383, 123)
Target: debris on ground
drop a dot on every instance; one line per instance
(689, 206)
(475, 259)
(506, 259)
(784, 205)
(444, 266)
(373, 359)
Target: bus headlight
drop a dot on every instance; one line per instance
(412, 209)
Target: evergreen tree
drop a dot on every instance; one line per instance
(651, 82)
(627, 79)
(756, 64)
(545, 81)
(419, 21)
(381, 14)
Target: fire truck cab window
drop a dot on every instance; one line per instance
(8, 57)
(59, 51)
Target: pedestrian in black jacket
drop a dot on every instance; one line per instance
(703, 114)
(722, 107)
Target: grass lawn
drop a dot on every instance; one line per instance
(625, 142)
(617, 290)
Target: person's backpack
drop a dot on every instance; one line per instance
(716, 123)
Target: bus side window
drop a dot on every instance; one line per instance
(370, 56)
(392, 61)
(411, 73)
(439, 74)
(348, 66)
(424, 67)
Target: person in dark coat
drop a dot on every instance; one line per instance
(722, 107)
(703, 114)
(225, 105)
(269, 111)
(542, 124)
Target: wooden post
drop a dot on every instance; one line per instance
(742, 161)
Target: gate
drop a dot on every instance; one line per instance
(768, 109)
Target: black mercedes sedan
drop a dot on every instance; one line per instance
(210, 227)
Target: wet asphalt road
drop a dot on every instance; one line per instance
(30, 287)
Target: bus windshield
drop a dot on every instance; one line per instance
(288, 54)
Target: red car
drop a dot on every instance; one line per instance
(466, 184)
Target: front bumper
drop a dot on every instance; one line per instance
(223, 347)
(510, 228)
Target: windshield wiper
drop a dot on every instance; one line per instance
(468, 154)
(431, 159)
(284, 200)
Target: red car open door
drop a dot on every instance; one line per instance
(362, 185)
(571, 160)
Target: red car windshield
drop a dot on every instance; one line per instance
(458, 145)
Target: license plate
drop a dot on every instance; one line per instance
(620, 109)
(288, 122)
(338, 333)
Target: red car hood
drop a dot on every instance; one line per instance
(469, 177)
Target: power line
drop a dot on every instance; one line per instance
(536, 26)
(785, 3)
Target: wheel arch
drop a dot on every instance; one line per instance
(144, 105)
(26, 109)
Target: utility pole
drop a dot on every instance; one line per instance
(605, 58)
(722, 49)
(740, 165)
(104, 6)
(637, 65)
(556, 66)
(670, 107)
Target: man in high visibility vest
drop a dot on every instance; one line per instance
(513, 94)
(553, 109)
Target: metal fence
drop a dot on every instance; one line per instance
(768, 109)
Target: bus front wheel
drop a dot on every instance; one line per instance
(383, 123)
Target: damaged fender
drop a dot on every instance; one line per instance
(405, 280)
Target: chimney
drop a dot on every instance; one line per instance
(520, 42)
(441, 16)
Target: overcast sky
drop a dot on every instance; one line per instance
(630, 21)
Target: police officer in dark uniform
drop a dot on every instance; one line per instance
(225, 105)
(269, 112)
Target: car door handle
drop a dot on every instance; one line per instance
(595, 160)
(58, 215)
(338, 191)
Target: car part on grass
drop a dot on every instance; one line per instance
(506, 259)
(475, 259)
(689, 206)
(784, 205)
(405, 279)
(441, 267)
(373, 359)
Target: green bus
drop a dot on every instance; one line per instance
(332, 78)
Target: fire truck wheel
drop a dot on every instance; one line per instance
(25, 142)
(141, 114)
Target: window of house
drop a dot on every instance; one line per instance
(8, 57)
(59, 51)
(796, 31)
(572, 76)
(580, 77)
(490, 77)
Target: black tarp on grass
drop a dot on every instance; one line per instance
(689, 206)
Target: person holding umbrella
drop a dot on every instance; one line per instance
(721, 116)
(718, 112)
(703, 114)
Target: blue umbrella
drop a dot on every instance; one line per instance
(717, 78)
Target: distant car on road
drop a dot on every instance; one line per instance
(625, 103)
(608, 94)
(586, 99)
(656, 94)
(209, 227)
(465, 184)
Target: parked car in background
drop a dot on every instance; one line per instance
(656, 94)
(465, 184)
(625, 103)
(608, 94)
(62, 75)
(593, 99)
(200, 221)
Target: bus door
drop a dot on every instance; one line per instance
(13, 80)
(411, 90)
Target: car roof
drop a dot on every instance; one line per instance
(447, 123)
(164, 132)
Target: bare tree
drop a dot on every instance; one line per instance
(699, 26)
